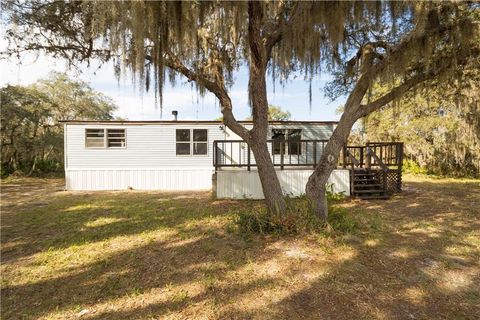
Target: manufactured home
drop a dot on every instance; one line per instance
(190, 155)
(206, 155)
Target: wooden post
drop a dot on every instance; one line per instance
(248, 157)
(362, 164)
(368, 160)
(282, 148)
(400, 164)
(215, 155)
(344, 160)
(400, 155)
(314, 154)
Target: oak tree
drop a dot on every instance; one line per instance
(398, 43)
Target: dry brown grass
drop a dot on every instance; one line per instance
(116, 255)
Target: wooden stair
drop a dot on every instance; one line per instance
(366, 185)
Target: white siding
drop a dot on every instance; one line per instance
(149, 160)
(242, 184)
(139, 179)
(148, 146)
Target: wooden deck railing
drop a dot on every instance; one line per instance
(374, 154)
(383, 160)
(286, 153)
(307, 153)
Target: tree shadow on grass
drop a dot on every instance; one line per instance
(424, 265)
(421, 261)
(80, 218)
(175, 242)
(170, 273)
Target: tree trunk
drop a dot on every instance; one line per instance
(257, 90)
(258, 141)
(268, 177)
(33, 167)
(316, 185)
(257, 137)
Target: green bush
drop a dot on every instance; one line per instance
(42, 168)
(47, 166)
(299, 218)
(5, 171)
(410, 166)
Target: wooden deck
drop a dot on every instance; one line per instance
(375, 168)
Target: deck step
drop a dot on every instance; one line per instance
(364, 174)
(370, 185)
(369, 191)
(364, 181)
(370, 197)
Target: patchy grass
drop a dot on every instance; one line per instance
(117, 255)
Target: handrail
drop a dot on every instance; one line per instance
(377, 159)
(355, 161)
(284, 153)
(307, 153)
(279, 141)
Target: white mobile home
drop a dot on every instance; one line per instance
(189, 155)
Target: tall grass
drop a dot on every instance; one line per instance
(299, 218)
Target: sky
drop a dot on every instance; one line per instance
(133, 104)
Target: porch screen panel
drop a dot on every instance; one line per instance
(294, 147)
(278, 136)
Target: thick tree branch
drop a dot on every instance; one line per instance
(279, 29)
(396, 92)
(375, 70)
(373, 45)
(216, 88)
(255, 18)
(396, 52)
(440, 65)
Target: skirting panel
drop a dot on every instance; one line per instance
(140, 179)
(244, 184)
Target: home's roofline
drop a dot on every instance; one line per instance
(127, 122)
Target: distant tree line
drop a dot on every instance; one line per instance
(31, 136)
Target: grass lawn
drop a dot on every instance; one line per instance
(151, 255)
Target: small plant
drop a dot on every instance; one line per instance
(332, 195)
(180, 297)
(341, 220)
(259, 221)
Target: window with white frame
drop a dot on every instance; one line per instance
(292, 147)
(191, 142)
(95, 138)
(116, 138)
(105, 138)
